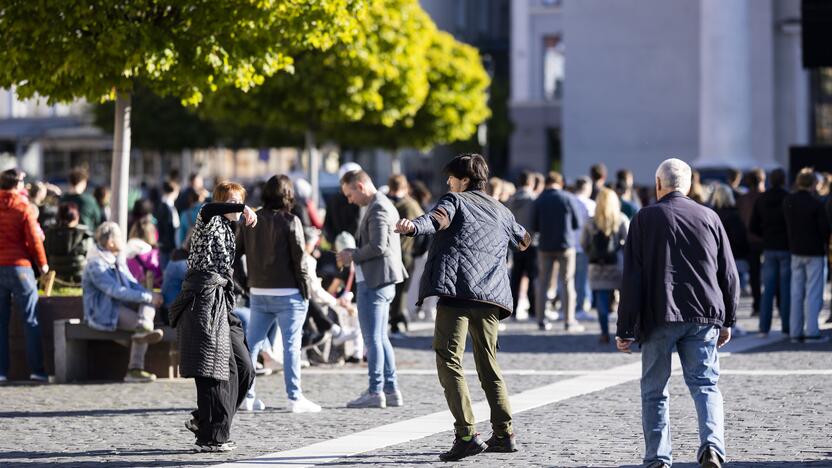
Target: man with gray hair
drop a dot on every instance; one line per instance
(680, 290)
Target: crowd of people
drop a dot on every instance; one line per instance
(343, 276)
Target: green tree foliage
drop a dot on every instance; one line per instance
(456, 103)
(378, 77)
(63, 50)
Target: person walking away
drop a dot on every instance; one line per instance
(114, 300)
(167, 221)
(680, 290)
(586, 210)
(808, 231)
(745, 204)
(87, 205)
(555, 216)
(21, 251)
(212, 344)
(378, 268)
(524, 263)
(407, 207)
(768, 221)
(278, 282)
(473, 230)
(603, 239)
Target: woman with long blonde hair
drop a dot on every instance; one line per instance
(602, 240)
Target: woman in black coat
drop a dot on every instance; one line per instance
(723, 202)
(211, 339)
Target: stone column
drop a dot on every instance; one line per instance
(725, 89)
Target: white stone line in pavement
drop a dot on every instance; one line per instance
(424, 426)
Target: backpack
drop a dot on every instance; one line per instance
(603, 249)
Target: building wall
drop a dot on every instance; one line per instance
(632, 84)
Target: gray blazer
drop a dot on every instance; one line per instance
(379, 252)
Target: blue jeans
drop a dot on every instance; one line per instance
(244, 314)
(777, 272)
(582, 291)
(808, 281)
(19, 282)
(373, 314)
(289, 312)
(696, 345)
(602, 303)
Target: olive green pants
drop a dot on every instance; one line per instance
(452, 326)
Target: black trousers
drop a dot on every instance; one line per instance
(524, 263)
(217, 400)
(398, 317)
(754, 270)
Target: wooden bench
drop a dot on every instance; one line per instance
(72, 359)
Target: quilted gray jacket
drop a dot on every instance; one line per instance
(200, 314)
(467, 259)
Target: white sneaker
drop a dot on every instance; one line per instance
(343, 337)
(252, 404)
(302, 405)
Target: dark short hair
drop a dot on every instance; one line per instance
(9, 179)
(278, 193)
(78, 175)
(777, 178)
(470, 165)
(806, 178)
(598, 172)
(169, 186)
(554, 177)
(67, 214)
(734, 174)
(351, 177)
(525, 178)
(581, 183)
(756, 176)
(397, 182)
(623, 174)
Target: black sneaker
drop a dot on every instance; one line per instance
(462, 449)
(710, 459)
(506, 444)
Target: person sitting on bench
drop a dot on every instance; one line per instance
(114, 300)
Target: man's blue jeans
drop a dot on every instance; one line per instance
(582, 291)
(777, 272)
(289, 312)
(808, 281)
(696, 345)
(373, 314)
(19, 282)
(603, 298)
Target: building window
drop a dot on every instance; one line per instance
(553, 67)
(822, 106)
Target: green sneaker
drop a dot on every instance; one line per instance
(139, 376)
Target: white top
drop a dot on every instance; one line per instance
(274, 291)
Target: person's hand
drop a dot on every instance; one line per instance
(44, 269)
(250, 216)
(405, 226)
(724, 337)
(344, 258)
(623, 345)
(158, 300)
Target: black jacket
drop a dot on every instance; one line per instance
(341, 216)
(806, 224)
(467, 258)
(678, 267)
(66, 248)
(735, 228)
(768, 220)
(164, 225)
(202, 315)
(555, 220)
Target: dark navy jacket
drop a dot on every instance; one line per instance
(678, 267)
(555, 219)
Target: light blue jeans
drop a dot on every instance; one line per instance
(289, 312)
(777, 273)
(373, 314)
(19, 283)
(696, 345)
(808, 276)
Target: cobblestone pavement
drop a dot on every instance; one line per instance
(772, 420)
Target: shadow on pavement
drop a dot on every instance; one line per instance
(7, 459)
(95, 412)
(748, 464)
(525, 343)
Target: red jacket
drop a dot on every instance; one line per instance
(20, 244)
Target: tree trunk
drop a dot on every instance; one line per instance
(314, 164)
(120, 172)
